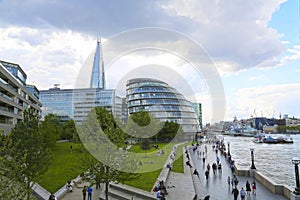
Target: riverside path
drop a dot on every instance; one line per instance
(216, 186)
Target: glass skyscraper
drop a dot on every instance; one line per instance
(77, 103)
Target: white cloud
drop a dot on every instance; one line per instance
(266, 100)
(233, 32)
(46, 56)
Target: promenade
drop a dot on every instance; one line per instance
(216, 186)
(183, 186)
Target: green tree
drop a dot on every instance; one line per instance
(145, 144)
(28, 152)
(143, 125)
(69, 131)
(169, 131)
(52, 128)
(10, 187)
(101, 136)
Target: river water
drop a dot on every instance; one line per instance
(273, 160)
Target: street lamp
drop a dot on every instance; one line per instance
(228, 148)
(252, 158)
(296, 162)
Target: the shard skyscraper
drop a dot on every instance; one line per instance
(98, 75)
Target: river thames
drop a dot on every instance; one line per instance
(273, 160)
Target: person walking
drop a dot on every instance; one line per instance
(228, 181)
(235, 193)
(206, 174)
(196, 173)
(243, 194)
(90, 191)
(248, 188)
(254, 187)
(84, 190)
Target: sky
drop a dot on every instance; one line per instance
(238, 58)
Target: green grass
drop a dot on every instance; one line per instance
(64, 167)
(149, 172)
(145, 181)
(178, 165)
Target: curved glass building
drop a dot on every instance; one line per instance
(162, 101)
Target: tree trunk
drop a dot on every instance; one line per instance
(106, 190)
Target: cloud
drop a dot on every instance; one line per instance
(266, 100)
(233, 32)
(47, 57)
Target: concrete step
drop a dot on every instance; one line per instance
(133, 192)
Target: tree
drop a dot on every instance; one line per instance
(143, 125)
(69, 131)
(52, 128)
(145, 145)
(169, 131)
(28, 152)
(10, 187)
(102, 138)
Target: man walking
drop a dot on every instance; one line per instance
(90, 191)
(235, 193)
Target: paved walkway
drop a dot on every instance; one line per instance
(216, 186)
(181, 185)
(77, 194)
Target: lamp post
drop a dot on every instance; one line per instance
(228, 143)
(296, 162)
(252, 159)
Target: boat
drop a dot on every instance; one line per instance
(271, 140)
(284, 139)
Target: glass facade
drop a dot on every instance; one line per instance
(75, 103)
(162, 101)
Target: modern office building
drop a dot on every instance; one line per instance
(162, 101)
(77, 103)
(15, 96)
(198, 110)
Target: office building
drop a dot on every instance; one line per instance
(15, 96)
(77, 103)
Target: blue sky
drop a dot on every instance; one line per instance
(253, 44)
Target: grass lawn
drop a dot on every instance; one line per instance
(178, 163)
(64, 166)
(149, 172)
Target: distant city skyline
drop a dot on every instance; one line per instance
(253, 44)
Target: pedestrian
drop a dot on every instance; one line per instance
(214, 167)
(206, 174)
(71, 148)
(160, 195)
(90, 191)
(218, 160)
(188, 164)
(243, 194)
(196, 173)
(254, 187)
(235, 193)
(52, 197)
(248, 188)
(208, 167)
(228, 181)
(203, 159)
(84, 190)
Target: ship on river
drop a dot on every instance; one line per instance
(272, 140)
